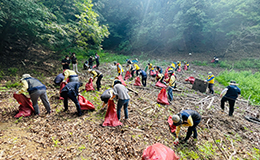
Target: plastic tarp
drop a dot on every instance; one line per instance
(85, 104)
(190, 79)
(111, 116)
(159, 84)
(172, 127)
(185, 67)
(162, 97)
(120, 78)
(89, 85)
(159, 151)
(25, 108)
(127, 75)
(62, 84)
(137, 81)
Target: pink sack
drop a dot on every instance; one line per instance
(111, 118)
(85, 104)
(127, 75)
(190, 79)
(159, 151)
(89, 85)
(185, 67)
(26, 108)
(162, 97)
(159, 84)
(172, 127)
(137, 81)
(62, 85)
(120, 78)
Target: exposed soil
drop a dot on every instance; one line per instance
(63, 135)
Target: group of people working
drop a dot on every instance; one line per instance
(189, 118)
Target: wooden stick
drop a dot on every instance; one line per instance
(230, 157)
(130, 89)
(215, 140)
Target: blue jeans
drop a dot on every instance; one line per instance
(120, 104)
(71, 95)
(170, 95)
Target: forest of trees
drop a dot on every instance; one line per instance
(132, 25)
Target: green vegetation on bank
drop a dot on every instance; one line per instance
(239, 64)
(248, 83)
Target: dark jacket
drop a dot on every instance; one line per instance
(66, 66)
(90, 61)
(143, 74)
(72, 87)
(34, 85)
(232, 92)
(194, 115)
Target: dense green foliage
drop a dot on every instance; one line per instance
(181, 25)
(248, 83)
(54, 24)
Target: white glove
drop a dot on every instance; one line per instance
(176, 141)
(17, 92)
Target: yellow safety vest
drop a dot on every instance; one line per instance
(212, 80)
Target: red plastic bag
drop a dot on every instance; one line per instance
(111, 116)
(185, 67)
(26, 108)
(94, 66)
(212, 61)
(85, 104)
(152, 73)
(179, 69)
(120, 78)
(127, 75)
(159, 151)
(172, 127)
(159, 84)
(190, 79)
(137, 81)
(89, 85)
(62, 84)
(162, 97)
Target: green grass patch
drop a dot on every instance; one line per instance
(248, 83)
(10, 84)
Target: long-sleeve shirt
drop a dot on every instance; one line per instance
(68, 73)
(232, 92)
(24, 88)
(95, 73)
(72, 87)
(121, 91)
(189, 117)
(188, 124)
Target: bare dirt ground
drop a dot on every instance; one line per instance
(63, 135)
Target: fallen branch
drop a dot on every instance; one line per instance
(210, 102)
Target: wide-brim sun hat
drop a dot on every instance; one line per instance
(25, 76)
(233, 83)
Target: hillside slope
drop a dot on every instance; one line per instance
(63, 135)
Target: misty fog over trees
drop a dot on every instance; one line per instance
(133, 25)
